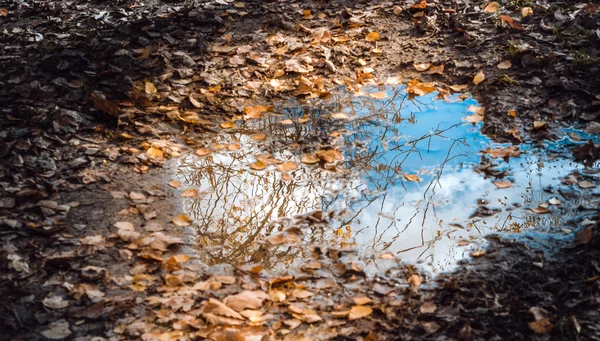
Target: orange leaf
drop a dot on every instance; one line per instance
(479, 77)
(373, 36)
(511, 22)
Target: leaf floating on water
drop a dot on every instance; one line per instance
(286, 166)
(421, 66)
(492, 7)
(586, 184)
(258, 137)
(478, 253)
(155, 153)
(256, 111)
(329, 155)
(190, 193)
(359, 311)
(258, 165)
(503, 184)
(378, 95)
(415, 280)
(182, 220)
(277, 239)
(339, 116)
(174, 183)
(511, 151)
(286, 122)
(459, 87)
(373, 36)
(554, 201)
(203, 152)
(393, 81)
(310, 159)
(411, 177)
(540, 209)
(419, 89)
(227, 125)
(479, 77)
(504, 65)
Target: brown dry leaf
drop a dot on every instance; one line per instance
(361, 300)
(511, 151)
(419, 89)
(216, 307)
(234, 146)
(421, 66)
(329, 155)
(203, 152)
(541, 326)
(194, 102)
(478, 253)
(256, 111)
(155, 153)
(475, 118)
(182, 220)
(526, 12)
(174, 183)
(492, 7)
(373, 36)
(172, 263)
(504, 65)
(436, 70)
(584, 236)
(540, 210)
(359, 311)
(102, 104)
(58, 330)
(149, 88)
(339, 116)
(227, 125)
(512, 113)
(310, 159)
(3, 12)
(388, 256)
(277, 239)
(258, 165)
(286, 166)
(428, 307)
(503, 184)
(258, 137)
(459, 88)
(511, 22)
(286, 122)
(411, 177)
(378, 95)
(420, 5)
(537, 125)
(414, 280)
(393, 81)
(55, 302)
(586, 184)
(479, 77)
(305, 86)
(190, 193)
(246, 300)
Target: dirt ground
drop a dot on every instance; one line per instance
(97, 98)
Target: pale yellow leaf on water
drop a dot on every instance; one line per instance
(277, 239)
(339, 116)
(286, 166)
(361, 300)
(174, 183)
(329, 155)
(373, 36)
(359, 311)
(256, 111)
(150, 88)
(258, 137)
(479, 77)
(503, 184)
(422, 66)
(227, 125)
(526, 12)
(310, 159)
(411, 177)
(554, 201)
(540, 210)
(234, 146)
(258, 165)
(378, 95)
(478, 253)
(189, 193)
(476, 109)
(203, 152)
(587, 184)
(492, 7)
(507, 64)
(387, 255)
(155, 153)
(182, 220)
(513, 114)
(459, 88)
(286, 122)
(475, 118)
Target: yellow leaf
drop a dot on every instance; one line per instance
(411, 177)
(310, 159)
(361, 300)
(422, 66)
(227, 125)
(513, 114)
(359, 311)
(258, 137)
(373, 36)
(278, 73)
(155, 153)
(459, 88)
(507, 64)
(150, 88)
(378, 95)
(479, 77)
(182, 220)
(478, 253)
(526, 12)
(203, 152)
(174, 183)
(419, 89)
(492, 7)
(503, 184)
(190, 193)
(258, 165)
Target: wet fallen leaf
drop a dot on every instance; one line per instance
(149, 88)
(359, 311)
(503, 184)
(58, 330)
(506, 64)
(194, 102)
(155, 153)
(246, 300)
(227, 125)
(526, 12)
(512, 113)
(388, 256)
(419, 89)
(215, 308)
(258, 165)
(286, 166)
(541, 326)
(378, 95)
(479, 77)
(329, 155)
(584, 236)
(514, 133)
(478, 253)
(339, 116)
(182, 220)
(498, 152)
(256, 111)
(258, 137)
(586, 184)
(373, 36)
(459, 88)
(189, 193)
(286, 122)
(414, 280)
(277, 239)
(411, 177)
(174, 183)
(393, 81)
(492, 7)
(430, 327)
(538, 125)
(203, 152)
(540, 210)
(422, 66)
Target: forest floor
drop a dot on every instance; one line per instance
(97, 100)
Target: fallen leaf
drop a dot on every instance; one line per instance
(436, 70)
(194, 102)
(227, 125)
(310, 159)
(339, 116)
(58, 330)
(155, 153)
(286, 122)
(361, 300)
(55, 302)
(277, 239)
(415, 280)
(430, 327)
(511, 151)
(182, 220)
(554, 201)
(537, 125)
(174, 183)
(492, 7)
(373, 36)
(584, 236)
(479, 77)
(506, 64)
(541, 326)
(503, 184)
(421, 66)
(286, 166)
(359, 311)
(411, 177)
(388, 256)
(216, 307)
(540, 210)
(419, 89)
(203, 152)
(258, 137)
(189, 193)
(378, 95)
(526, 12)
(420, 5)
(459, 88)
(3, 12)
(511, 22)
(586, 184)
(428, 307)
(329, 155)
(512, 113)
(246, 300)
(258, 165)
(478, 253)
(256, 111)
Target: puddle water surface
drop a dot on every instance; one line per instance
(412, 183)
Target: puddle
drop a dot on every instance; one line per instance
(413, 183)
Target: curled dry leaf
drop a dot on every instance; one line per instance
(415, 280)
(538, 125)
(155, 153)
(194, 102)
(511, 22)
(359, 311)
(436, 70)
(459, 87)
(478, 253)
(246, 300)
(182, 220)
(411, 177)
(419, 89)
(479, 77)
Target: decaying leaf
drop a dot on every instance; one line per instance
(541, 326)
(428, 307)
(258, 137)
(511, 22)
(55, 302)
(58, 330)
(359, 311)
(492, 7)
(246, 300)
(506, 64)
(479, 77)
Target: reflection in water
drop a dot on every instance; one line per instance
(374, 208)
